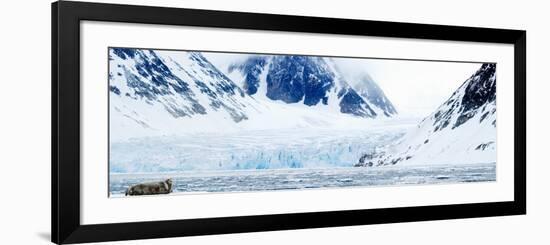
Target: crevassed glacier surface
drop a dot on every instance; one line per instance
(261, 149)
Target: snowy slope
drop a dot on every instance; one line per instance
(368, 89)
(462, 130)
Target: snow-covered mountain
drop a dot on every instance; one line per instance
(462, 130)
(156, 92)
(367, 88)
(312, 81)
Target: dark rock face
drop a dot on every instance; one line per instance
(484, 146)
(479, 90)
(114, 89)
(295, 78)
(251, 68)
(352, 103)
(125, 53)
(364, 161)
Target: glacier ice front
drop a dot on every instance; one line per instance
(261, 149)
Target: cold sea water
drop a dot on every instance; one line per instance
(305, 178)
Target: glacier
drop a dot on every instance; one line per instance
(252, 149)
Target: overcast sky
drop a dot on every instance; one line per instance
(416, 88)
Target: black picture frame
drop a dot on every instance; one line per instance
(66, 18)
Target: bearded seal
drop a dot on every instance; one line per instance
(150, 188)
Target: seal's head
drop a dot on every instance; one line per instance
(169, 183)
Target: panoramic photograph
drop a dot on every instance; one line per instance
(184, 122)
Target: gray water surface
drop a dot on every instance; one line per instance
(285, 179)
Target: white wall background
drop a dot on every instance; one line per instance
(25, 121)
